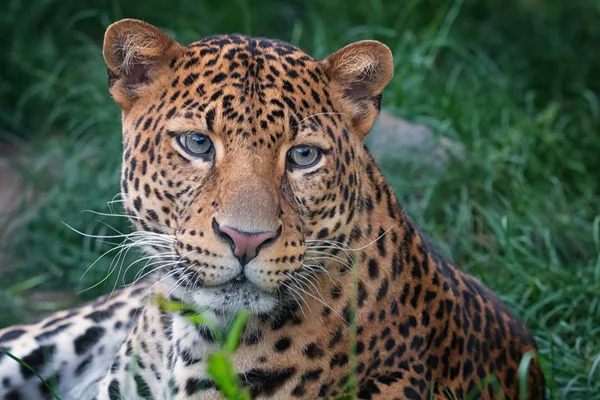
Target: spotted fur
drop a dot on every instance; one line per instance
(342, 242)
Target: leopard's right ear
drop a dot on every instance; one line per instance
(358, 73)
(135, 52)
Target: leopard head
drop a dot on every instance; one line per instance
(240, 155)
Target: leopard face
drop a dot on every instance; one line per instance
(240, 155)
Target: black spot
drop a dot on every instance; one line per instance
(57, 320)
(323, 233)
(385, 333)
(253, 337)
(100, 315)
(509, 379)
(394, 307)
(315, 96)
(116, 364)
(411, 394)
(91, 336)
(312, 375)
(264, 382)
(147, 123)
(336, 292)
(360, 347)
(137, 203)
(83, 365)
(219, 77)
(114, 390)
(368, 389)
(142, 388)
(190, 79)
(383, 289)
(313, 351)
(324, 389)
(11, 335)
(192, 61)
(416, 271)
(283, 344)
(362, 294)
(194, 385)
(403, 329)
(298, 391)
(389, 344)
(373, 268)
(429, 296)
(13, 395)
(187, 358)
(336, 337)
(396, 267)
(416, 294)
(36, 360)
(210, 118)
(338, 359)
(171, 112)
(206, 333)
(51, 333)
(468, 370)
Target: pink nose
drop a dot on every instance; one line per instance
(245, 244)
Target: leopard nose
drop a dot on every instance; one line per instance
(245, 246)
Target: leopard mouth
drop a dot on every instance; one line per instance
(233, 287)
(231, 297)
(234, 283)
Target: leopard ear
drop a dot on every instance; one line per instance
(134, 52)
(359, 72)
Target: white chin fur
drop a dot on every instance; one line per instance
(229, 298)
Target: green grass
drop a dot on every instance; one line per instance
(218, 363)
(516, 82)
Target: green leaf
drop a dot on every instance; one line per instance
(221, 369)
(235, 332)
(523, 372)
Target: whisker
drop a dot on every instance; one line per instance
(113, 200)
(322, 302)
(316, 115)
(295, 295)
(163, 258)
(135, 217)
(166, 276)
(343, 246)
(162, 236)
(309, 282)
(328, 255)
(142, 275)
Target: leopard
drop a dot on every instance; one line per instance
(246, 175)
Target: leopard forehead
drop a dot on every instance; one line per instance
(238, 87)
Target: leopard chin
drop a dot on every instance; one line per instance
(227, 298)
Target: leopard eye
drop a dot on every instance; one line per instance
(303, 156)
(196, 144)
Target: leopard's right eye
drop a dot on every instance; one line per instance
(303, 156)
(196, 144)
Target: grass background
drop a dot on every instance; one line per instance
(517, 82)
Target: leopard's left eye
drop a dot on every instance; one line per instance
(303, 156)
(196, 144)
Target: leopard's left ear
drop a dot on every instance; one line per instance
(135, 53)
(358, 74)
